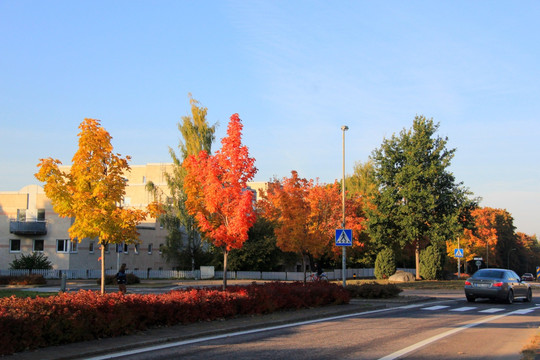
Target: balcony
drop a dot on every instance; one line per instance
(36, 227)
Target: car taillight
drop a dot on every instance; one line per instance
(467, 282)
(497, 284)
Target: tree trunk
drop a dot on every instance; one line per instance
(225, 255)
(417, 259)
(304, 267)
(102, 269)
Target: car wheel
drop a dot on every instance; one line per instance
(470, 298)
(529, 295)
(510, 297)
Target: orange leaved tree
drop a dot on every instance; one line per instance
(286, 203)
(217, 195)
(91, 192)
(307, 214)
(326, 215)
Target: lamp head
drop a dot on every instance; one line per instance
(344, 128)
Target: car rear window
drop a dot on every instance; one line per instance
(489, 274)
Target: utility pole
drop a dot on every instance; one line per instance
(344, 251)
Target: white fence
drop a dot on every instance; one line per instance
(180, 274)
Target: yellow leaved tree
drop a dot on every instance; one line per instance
(91, 192)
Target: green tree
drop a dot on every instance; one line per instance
(259, 252)
(418, 201)
(32, 261)
(363, 180)
(183, 244)
(431, 263)
(385, 264)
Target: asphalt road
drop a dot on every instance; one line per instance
(439, 329)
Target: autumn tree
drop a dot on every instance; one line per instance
(418, 200)
(91, 192)
(326, 215)
(183, 242)
(216, 192)
(286, 203)
(306, 215)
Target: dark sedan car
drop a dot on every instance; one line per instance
(499, 284)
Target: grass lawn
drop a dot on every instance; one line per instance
(24, 293)
(420, 285)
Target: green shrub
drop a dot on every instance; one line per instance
(33, 261)
(111, 279)
(430, 263)
(385, 264)
(373, 291)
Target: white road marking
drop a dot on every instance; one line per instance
(222, 336)
(435, 338)
(492, 310)
(464, 308)
(437, 307)
(523, 311)
(411, 306)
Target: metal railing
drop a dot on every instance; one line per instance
(181, 274)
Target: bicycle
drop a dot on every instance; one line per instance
(315, 277)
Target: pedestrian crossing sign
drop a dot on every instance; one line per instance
(343, 237)
(458, 253)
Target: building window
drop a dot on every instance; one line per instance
(62, 245)
(41, 214)
(21, 214)
(144, 179)
(39, 245)
(74, 246)
(15, 245)
(149, 248)
(126, 248)
(91, 247)
(160, 249)
(136, 248)
(106, 248)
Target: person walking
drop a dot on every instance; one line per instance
(121, 279)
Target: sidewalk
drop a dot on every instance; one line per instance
(87, 349)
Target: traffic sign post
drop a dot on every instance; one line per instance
(458, 253)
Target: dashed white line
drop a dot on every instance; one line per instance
(464, 308)
(491, 310)
(436, 307)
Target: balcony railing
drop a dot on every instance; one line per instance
(37, 227)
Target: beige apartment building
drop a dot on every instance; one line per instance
(29, 224)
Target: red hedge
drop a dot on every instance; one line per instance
(27, 323)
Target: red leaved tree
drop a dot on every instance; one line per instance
(217, 195)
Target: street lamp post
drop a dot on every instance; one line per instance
(508, 258)
(344, 251)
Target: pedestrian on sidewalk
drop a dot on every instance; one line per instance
(121, 279)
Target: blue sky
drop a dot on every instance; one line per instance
(295, 71)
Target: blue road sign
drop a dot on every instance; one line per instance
(343, 237)
(537, 272)
(458, 253)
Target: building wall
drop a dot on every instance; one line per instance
(152, 235)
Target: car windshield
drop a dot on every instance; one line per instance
(489, 274)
